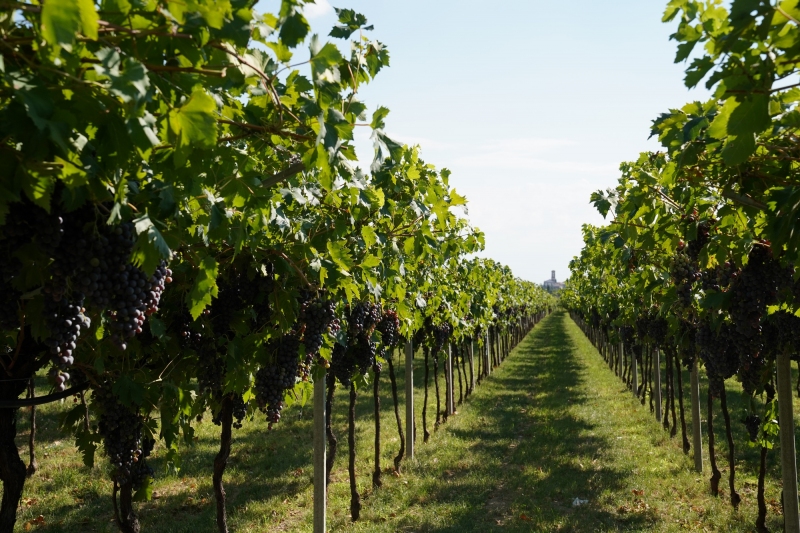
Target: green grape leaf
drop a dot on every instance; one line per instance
(205, 286)
(62, 20)
(294, 29)
(193, 125)
(145, 492)
(129, 392)
(341, 256)
(350, 22)
(369, 236)
(378, 118)
(86, 442)
(150, 247)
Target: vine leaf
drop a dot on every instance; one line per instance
(128, 391)
(193, 125)
(205, 286)
(340, 256)
(145, 492)
(86, 442)
(62, 20)
(350, 22)
(738, 121)
(150, 247)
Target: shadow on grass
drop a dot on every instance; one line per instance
(531, 448)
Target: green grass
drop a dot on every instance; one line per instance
(551, 425)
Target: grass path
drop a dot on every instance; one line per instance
(551, 425)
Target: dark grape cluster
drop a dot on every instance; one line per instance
(232, 296)
(96, 257)
(441, 334)
(122, 430)
(363, 318)
(210, 369)
(643, 325)
(389, 328)
(188, 336)
(719, 350)
(757, 286)
(343, 364)
(261, 288)
(274, 379)
(753, 424)
(239, 412)
(138, 300)
(658, 330)
(781, 333)
(64, 320)
(626, 334)
(726, 275)
(29, 223)
(686, 337)
(363, 353)
(9, 318)
(684, 271)
(696, 245)
(318, 316)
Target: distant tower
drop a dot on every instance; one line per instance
(552, 284)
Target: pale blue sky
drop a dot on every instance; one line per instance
(531, 104)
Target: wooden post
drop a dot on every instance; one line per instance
(410, 399)
(620, 358)
(657, 391)
(697, 439)
(450, 389)
(471, 364)
(487, 357)
(635, 377)
(791, 513)
(320, 440)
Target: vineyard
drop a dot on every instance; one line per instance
(186, 235)
(696, 269)
(203, 286)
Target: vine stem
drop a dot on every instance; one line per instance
(735, 498)
(399, 458)
(436, 386)
(333, 442)
(715, 473)
(686, 445)
(32, 465)
(376, 475)
(761, 519)
(221, 461)
(425, 432)
(355, 498)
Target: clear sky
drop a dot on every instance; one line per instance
(531, 104)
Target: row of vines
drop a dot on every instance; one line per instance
(699, 259)
(184, 228)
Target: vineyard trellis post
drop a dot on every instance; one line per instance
(410, 399)
(620, 358)
(450, 389)
(471, 365)
(791, 513)
(697, 439)
(635, 378)
(657, 372)
(320, 436)
(486, 355)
